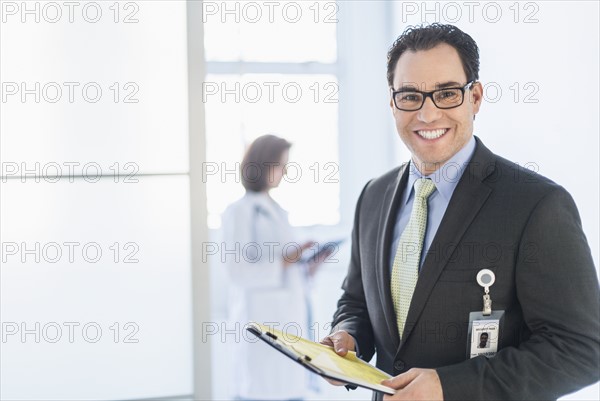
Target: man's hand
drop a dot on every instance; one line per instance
(342, 342)
(416, 384)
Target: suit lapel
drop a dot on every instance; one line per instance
(387, 221)
(468, 198)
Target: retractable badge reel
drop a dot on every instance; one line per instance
(486, 278)
(484, 325)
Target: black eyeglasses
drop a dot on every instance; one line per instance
(446, 98)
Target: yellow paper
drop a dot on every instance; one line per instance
(349, 368)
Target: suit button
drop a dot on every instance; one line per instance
(399, 365)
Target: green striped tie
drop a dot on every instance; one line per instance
(405, 270)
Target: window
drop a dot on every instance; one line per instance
(272, 68)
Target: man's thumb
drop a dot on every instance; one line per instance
(339, 348)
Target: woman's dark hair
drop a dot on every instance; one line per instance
(422, 37)
(261, 157)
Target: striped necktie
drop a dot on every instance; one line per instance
(405, 270)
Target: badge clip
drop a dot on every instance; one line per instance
(486, 279)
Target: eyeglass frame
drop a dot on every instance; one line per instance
(430, 95)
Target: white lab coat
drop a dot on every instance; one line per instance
(256, 232)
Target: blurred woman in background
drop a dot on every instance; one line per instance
(268, 281)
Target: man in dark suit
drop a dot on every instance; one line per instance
(416, 253)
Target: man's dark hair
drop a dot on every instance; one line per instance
(260, 159)
(425, 37)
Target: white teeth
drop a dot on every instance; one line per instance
(433, 134)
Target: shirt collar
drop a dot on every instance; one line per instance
(447, 176)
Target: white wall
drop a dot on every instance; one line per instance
(365, 127)
(141, 286)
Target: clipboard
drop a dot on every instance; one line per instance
(322, 359)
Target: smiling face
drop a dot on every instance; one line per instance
(434, 135)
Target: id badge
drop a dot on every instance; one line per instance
(484, 333)
(484, 326)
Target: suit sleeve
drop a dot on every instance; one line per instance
(557, 288)
(352, 314)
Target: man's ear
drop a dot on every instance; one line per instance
(476, 97)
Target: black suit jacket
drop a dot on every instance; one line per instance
(523, 227)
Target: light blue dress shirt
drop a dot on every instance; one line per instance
(445, 179)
